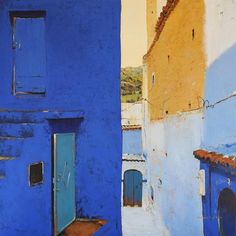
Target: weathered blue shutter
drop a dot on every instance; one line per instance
(137, 188)
(132, 188)
(30, 56)
(128, 189)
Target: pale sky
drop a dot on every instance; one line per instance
(133, 32)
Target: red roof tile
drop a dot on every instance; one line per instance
(164, 15)
(215, 158)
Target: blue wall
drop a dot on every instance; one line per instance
(219, 126)
(132, 142)
(82, 83)
(218, 178)
(219, 133)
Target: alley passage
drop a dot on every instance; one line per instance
(137, 221)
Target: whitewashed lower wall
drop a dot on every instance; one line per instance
(173, 172)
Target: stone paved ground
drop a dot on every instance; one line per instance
(139, 222)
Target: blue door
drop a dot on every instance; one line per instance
(227, 213)
(64, 180)
(132, 188)
(30, 56)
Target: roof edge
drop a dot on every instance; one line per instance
(131, 127)
(164, 15)
(215, 158)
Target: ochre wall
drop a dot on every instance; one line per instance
(178, 62)
(151, 9)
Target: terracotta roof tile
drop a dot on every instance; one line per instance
(164, 15)
(215, 158)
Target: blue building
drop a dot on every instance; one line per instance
(60, 134)
(219, 202)
(134, 192)
(133, 166)
(132, 140)
(218, 153)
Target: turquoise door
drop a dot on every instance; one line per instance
(64, 180)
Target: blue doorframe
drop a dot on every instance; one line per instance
(133, 184)
(64, 181)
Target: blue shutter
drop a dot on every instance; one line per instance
(30, 55)
(137, 188)
(132, 188)
(128, 189)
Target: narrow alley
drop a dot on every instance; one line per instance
(138, 221)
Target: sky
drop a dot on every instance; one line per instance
(133, 32)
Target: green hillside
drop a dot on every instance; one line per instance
(131, 84)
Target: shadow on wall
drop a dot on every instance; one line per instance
(220, 83)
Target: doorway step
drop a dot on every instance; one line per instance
(83, 227)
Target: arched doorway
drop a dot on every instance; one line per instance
(227, 213)
(132, 195)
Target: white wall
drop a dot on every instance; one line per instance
(220, 28)
(173, 172)
(131, 113)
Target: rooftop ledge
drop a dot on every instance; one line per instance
(224, 155)
(37, 116)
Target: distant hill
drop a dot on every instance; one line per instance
(131, 84)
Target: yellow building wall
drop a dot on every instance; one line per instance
(151, 9)
(178, 62)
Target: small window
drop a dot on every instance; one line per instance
(36, 173)
(193, 34)
(152, 193)
(153, 78)
(189, 105)
(29, 52)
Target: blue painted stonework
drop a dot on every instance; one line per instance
(78, 91)
(132, 142)
(219, 136)
(218, 179)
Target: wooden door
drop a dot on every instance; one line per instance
(64, 180)
(132, 195)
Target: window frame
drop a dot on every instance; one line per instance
(29, 173)
(34, 14)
